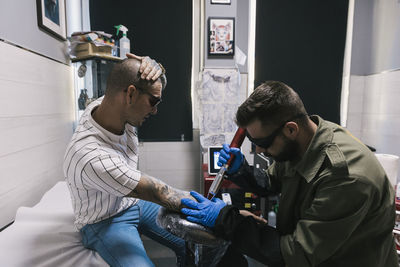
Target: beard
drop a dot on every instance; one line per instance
(289, 152)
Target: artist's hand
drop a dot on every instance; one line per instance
(224, 156)
(204, 211)
(246, 213)
(150, 69)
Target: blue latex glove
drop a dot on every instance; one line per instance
(204, 211)
(224, 156)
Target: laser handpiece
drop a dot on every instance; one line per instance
(237, 142)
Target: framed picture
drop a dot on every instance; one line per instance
(51, 17)
(221, 2)
(221, 36)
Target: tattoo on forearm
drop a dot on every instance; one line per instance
(155, 190)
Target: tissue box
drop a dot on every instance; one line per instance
(89, 49)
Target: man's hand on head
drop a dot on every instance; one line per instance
(150, 69)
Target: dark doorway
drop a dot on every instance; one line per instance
(301, 43)
(162, 30)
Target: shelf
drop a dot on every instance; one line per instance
(94, 57)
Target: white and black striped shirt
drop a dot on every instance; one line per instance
(100, 169)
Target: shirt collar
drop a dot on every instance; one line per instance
(114, 137)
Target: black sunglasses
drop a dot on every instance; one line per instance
(154, 100)
(266, 142)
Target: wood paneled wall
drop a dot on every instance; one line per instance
(36, 116)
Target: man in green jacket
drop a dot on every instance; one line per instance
(336, 203)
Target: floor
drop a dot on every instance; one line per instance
(165, 257)
(159, 254)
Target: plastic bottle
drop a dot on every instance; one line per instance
(124, 43)
(83, 97)
(114, 50)
(272, 217)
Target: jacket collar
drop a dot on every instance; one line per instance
(315, 154)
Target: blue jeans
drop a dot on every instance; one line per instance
(117, 239)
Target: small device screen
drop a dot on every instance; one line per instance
(213, 154)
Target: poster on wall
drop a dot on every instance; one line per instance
(221, 39)
(51, 17)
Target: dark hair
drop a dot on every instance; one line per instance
(126, 73)
(272, 102)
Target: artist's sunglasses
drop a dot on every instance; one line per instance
(266, 142)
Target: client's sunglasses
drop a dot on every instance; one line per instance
(154, 100)
(266, 142)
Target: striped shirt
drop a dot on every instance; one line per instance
(100, 168)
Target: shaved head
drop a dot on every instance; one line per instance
(126, 73)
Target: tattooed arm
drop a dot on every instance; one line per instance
(154, 190)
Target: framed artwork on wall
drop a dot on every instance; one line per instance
(51, 17)
(221, 2)
(221, 36)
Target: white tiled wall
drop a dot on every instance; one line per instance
(355, 104)
(176, 163)
(374, 111)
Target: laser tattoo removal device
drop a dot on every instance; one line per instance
(237, 142)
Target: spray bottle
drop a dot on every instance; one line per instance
(272, 216)
(124, 43)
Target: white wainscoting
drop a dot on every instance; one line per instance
(36, 116)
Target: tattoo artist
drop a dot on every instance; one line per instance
(336, 203)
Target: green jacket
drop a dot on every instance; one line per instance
(336, 207)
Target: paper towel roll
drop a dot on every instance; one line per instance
(390, 164)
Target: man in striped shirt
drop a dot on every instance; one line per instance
(113, 201)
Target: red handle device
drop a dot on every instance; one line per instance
(237, 142)
(216, 184)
